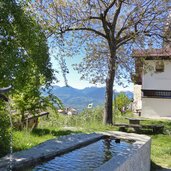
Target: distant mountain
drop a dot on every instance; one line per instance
(79, 99)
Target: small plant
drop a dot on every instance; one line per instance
(4, 132)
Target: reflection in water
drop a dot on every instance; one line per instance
(86, 158)
(107, 149)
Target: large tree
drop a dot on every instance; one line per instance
(105, 28)
(23, 47)
(24, 56)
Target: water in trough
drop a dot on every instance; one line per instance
(86, 158)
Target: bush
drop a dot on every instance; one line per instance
(86, 117)
(92, 115)
(122, 104)
(4, 133)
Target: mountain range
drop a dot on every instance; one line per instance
(80, 98)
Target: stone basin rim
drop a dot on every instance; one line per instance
(51, 148)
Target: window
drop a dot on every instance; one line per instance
(157, 93)
(159, 66)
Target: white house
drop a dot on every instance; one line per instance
(152, 89)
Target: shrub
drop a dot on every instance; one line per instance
(122, 103)
(93, 115)
(4, 133)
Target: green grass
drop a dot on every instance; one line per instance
(161, 143)
(64, 125)
(161, 150)
(26, 139)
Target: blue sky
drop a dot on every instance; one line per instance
(74, 78)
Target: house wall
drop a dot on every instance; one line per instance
(156, 81)
(137, 105)
(156, 107)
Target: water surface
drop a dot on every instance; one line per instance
(86, 158)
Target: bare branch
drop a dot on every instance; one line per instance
(85, 29)
(147, 4)
(94, 18)
(115, 18)
(104, 3)
(125, 22)
(109, 7)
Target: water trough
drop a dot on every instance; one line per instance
(135, 159)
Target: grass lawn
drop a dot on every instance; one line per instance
(26, 139)
(160, 149)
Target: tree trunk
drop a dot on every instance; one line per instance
(108, 112)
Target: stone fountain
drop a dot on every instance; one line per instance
(4, 90)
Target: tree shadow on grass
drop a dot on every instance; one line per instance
(155, 167)
(142, 131)
(147, 132)
(42, 132)
(151, 132)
